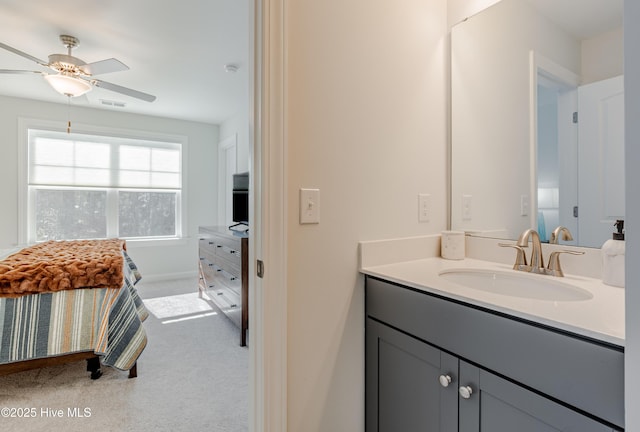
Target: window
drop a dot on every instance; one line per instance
(91, 186)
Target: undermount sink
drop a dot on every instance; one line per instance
(516, 284)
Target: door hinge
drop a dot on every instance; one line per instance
(575, 211)
(260, 268)
(575, 117)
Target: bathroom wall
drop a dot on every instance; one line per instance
(490, 99)
(366, 109)
(164, 259)
(632, 225)
(458, 10)
(602, 56)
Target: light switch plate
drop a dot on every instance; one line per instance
(424, 207)
(309, 206)
(466, 207)
(524, 205)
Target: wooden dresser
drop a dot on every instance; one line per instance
(223, 264)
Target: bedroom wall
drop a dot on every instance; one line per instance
(159, 259)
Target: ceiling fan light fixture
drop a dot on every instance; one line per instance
(68, 85)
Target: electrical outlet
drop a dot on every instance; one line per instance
(309, 206)
(424, 207)
(466, 207)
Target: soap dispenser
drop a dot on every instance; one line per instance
(613, 257)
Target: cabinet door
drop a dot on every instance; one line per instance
(498, 405)
(403, 390)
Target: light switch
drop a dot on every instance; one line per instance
(466, 207)
(524, 205)
(424, 206)
(309, 206)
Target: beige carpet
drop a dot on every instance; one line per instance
(192, 376)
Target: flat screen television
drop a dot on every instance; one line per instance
(240, 197)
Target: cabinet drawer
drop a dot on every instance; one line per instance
(230, 255)
(207, 244)
(228, 266)
(585, 374)
(227, 300)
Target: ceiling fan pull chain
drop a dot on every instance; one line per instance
(68, 114)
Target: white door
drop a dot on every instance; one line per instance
(227, 151)
(600, 160)
(230, 157)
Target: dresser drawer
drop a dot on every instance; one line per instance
(230, 255)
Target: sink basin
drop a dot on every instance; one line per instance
(516, 284)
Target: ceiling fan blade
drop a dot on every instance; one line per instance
(11, 71)
(125, 91)
(104, 66)
(24, 54)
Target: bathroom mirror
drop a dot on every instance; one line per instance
(537, 119)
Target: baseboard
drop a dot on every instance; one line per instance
(169, 276)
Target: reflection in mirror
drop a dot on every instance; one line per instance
(520, 69)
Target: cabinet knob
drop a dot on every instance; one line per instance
(445, 380)
(465, 392)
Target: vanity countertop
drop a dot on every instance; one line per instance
(600, 317)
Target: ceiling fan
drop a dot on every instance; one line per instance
(73, 76)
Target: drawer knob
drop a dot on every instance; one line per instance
(218, 245)
(445, 380)
(210, 242)
(465, 392)
(232, 251)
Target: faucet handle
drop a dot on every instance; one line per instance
(553, 267)
(521, 258)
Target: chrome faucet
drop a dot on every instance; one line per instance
(555, 235)
(536, 263)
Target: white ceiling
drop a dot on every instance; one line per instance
(175, 50)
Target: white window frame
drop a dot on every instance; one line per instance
(25, 222)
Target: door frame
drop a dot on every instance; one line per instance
(267, 235)
(541, 66)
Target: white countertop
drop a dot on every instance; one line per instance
(601, 317)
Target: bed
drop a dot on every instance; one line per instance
(73, 311)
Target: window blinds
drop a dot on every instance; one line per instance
(79, 160)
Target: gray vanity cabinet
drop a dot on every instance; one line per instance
(403, 393)
(498, 405)
(437, 365)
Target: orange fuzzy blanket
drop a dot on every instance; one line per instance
(63, 265)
